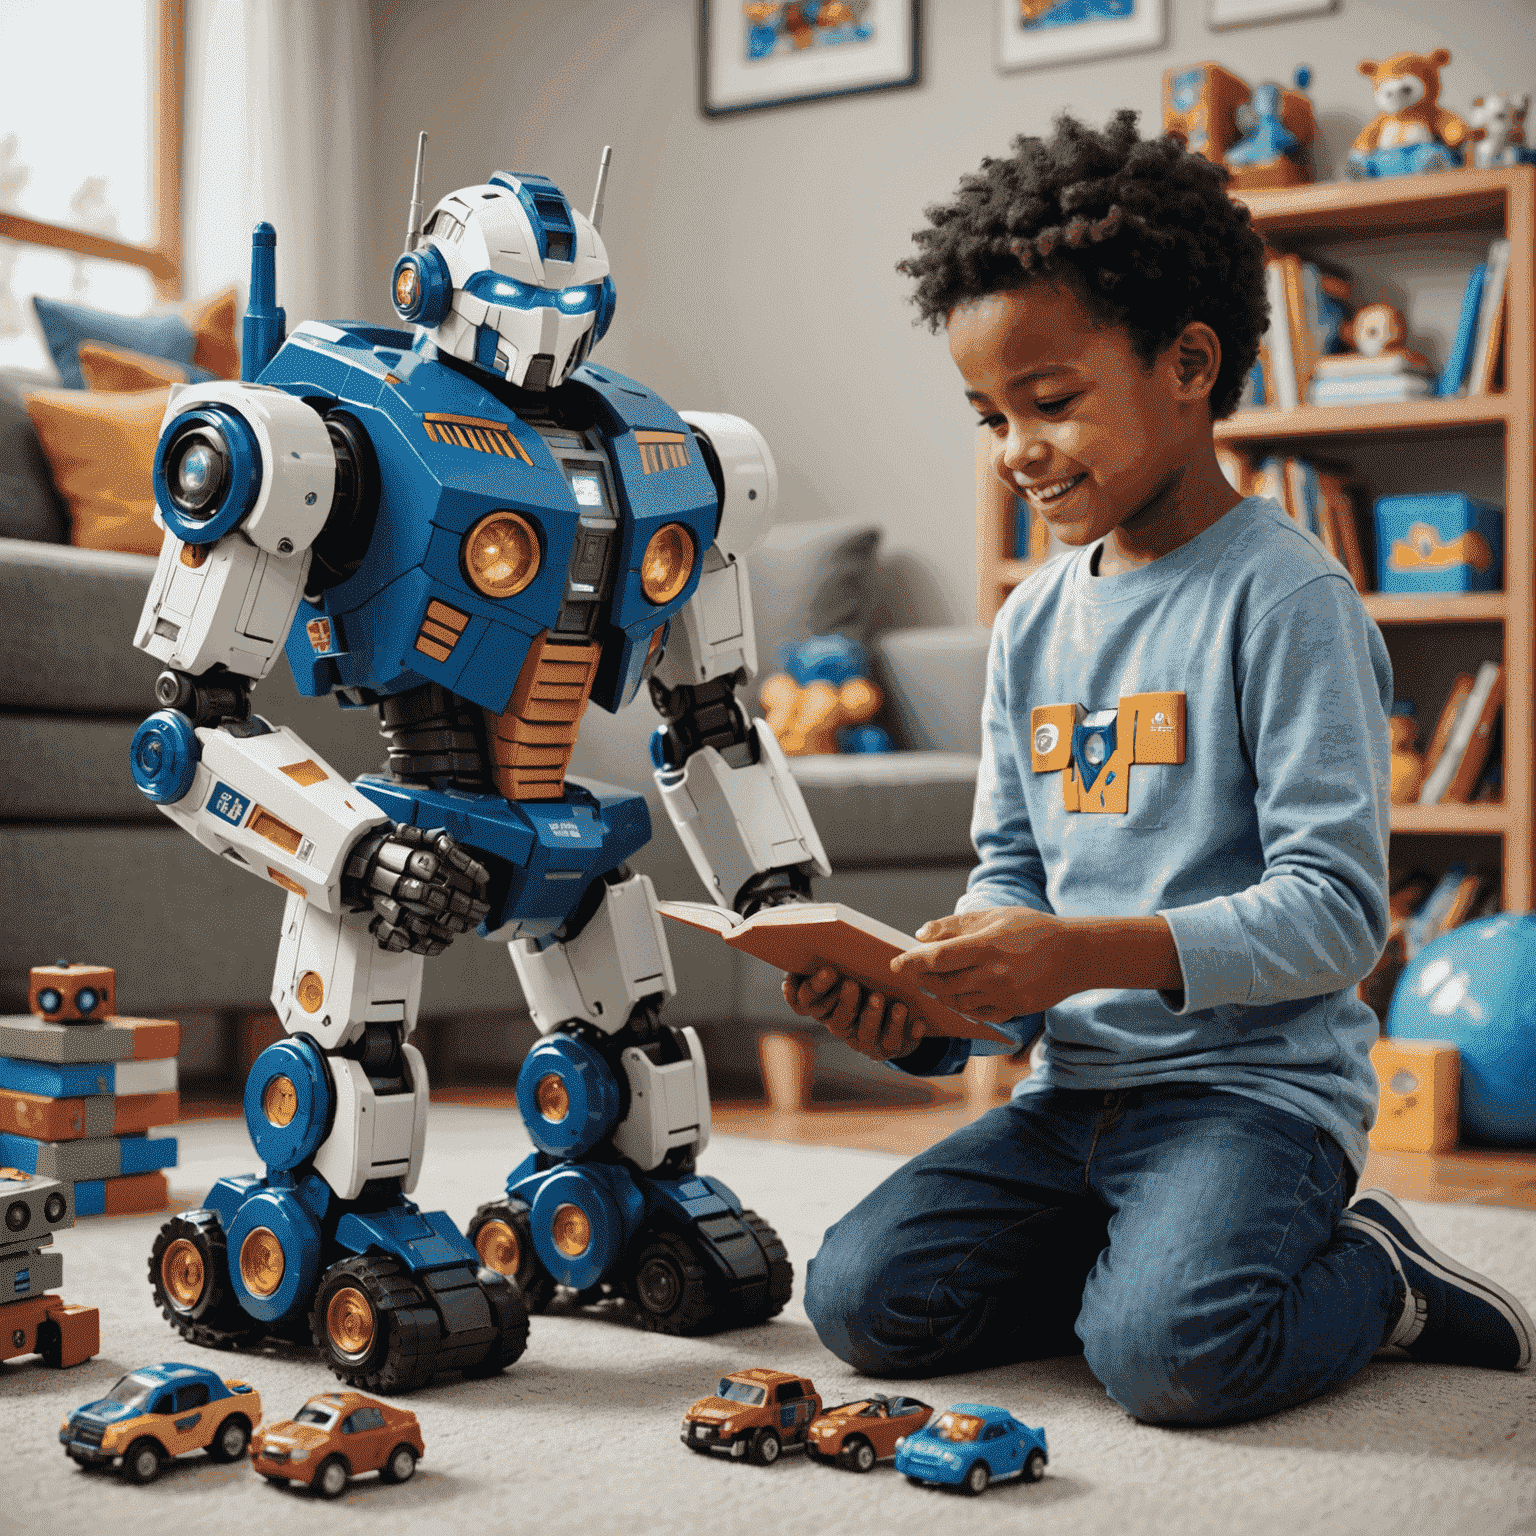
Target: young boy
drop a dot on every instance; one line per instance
(1181, 821)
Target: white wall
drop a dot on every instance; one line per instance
(755, 256)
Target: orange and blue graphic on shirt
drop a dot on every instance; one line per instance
(1094, 750)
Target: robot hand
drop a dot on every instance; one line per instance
(774, 888)
(422, 886)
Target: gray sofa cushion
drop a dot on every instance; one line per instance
(30, 504)
(935, 681)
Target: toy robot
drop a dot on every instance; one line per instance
(473, 531)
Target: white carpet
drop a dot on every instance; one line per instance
(580, 1435)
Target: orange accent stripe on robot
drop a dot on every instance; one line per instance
(662, 450)
(474, 433)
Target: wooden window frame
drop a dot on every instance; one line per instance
(161, 258)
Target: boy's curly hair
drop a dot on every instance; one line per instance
(1142, 230)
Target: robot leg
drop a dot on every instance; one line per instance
(326, 1245)
(617, 1104)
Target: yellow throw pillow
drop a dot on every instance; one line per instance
(116, 370)
(101, 449)
(212, 321)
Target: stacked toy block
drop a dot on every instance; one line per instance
(33, 1322)
(80, 1088)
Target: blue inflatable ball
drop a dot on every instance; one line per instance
(1475, 987)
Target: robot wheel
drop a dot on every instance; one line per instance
(189, 1275)
(502, 1233)
(781, 1273)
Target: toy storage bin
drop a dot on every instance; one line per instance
(1440, 543)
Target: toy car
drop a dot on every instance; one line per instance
(335, 1436)
(160, 1411)
(756, 1413)
(861, 1433)
(970, 1445)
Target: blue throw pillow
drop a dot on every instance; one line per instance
(65, 326)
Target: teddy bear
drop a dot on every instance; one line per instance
(1501, 118)
(1411, 132)
(823, 701)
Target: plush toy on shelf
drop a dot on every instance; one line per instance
(1411, 132)
(823, 701)
(1501, 118)
(1407, 766)
(1382, 366)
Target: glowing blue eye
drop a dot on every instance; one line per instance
(495, 289)
(578, 301)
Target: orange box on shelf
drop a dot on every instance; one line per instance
(1420, 1092)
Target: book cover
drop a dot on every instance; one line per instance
(1447, 721)
(1371, 391)
(1431, 920)
(801, 939)
(1454, 375)
(1490, 312)
(1318, 299)
(1470, 739)
(1385, 365)
(1282, 358)
(1479, 748)
(1340, 512)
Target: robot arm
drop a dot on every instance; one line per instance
(259, 494)
(723, 778)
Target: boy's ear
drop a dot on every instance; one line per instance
(1195, 360)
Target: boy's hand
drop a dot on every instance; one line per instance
(997, 964)
(860, 1018)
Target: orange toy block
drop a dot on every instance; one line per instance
(71, 991)
(153, 1039)
(38, 1116)
(135, 1193)
(1420, 1093)
(59, 1331)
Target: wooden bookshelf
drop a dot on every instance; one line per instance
(1494, 202)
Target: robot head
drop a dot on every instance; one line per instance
(510, 278)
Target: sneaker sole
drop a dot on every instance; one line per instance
(1446, 1268)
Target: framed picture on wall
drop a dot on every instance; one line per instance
(1034, 33)
(1241, 13)
(770, 53)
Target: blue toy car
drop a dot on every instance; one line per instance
(1401, 160)
(970, 1445)
(160, 1411)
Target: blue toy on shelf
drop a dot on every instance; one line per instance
(469, 528)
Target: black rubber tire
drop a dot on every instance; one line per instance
(536, 1282)
(858, 1455)
(50, 1343)
(407, 1332)
(325, 1484)
(1034, 1466)
(220, 1449)
(216, 1320)
(669, 1286)
(400, 1465)
(143, 1460)
(511, 1318)
(765, 1449)
(781, 1273)
(976, 1478)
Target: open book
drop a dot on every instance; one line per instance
(802, 938)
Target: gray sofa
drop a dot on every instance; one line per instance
(94, 872)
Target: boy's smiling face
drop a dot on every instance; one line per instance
(1093, 438)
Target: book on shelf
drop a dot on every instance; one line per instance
(1375, 389)
(1460, 688)
(1031, 537)
(1317, 496)
(1447, 906)
(1275, 352)
(802, 938)
(1458, 768)
(1490, 321)
(1356, 365)
(1453, 376)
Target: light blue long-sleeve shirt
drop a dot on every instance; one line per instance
(1265, 850)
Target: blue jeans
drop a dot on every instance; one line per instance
(1184, 1239)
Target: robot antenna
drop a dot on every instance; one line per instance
(602, 182)
(413, 219)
